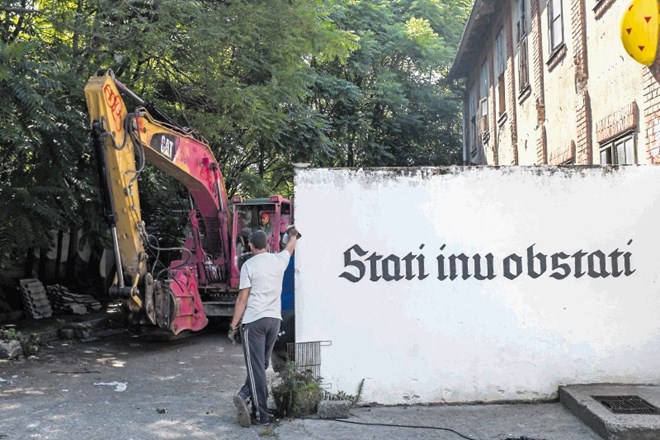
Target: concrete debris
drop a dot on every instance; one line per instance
(66, 302)
(334, 409)
(66, 333)
(10, 349)
(35, 301)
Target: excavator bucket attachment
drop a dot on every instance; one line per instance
(178, 305)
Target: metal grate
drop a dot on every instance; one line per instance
(627, 405)
(307, 355)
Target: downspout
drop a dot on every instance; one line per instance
(463, 135)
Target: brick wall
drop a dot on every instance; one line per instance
(536, 71)
(579, 43)
(511, 81)
(652, 111)
(584, 147)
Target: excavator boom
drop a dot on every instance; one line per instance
(124, 142)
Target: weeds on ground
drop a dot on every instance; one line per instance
(30, 343)
(341, 395)
(298, 394)
(267, 432)
(9, 334)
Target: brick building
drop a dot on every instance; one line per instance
(549, 82)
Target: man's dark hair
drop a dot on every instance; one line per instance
(259, 240)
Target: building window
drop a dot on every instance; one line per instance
(483, 102)
(555, 24)
(521, 40)
(620, 151)
(500, 64)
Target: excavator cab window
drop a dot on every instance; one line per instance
(251, 218)
(244, 229)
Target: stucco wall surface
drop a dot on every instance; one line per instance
(566, 290)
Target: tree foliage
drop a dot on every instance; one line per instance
(389, 104)
(267, 82)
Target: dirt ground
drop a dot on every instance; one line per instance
(125, 387)
(129, 388)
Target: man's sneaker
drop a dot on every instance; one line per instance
(267, 421)
(242, 410)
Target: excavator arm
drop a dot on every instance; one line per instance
(123, 143)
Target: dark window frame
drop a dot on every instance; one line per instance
(500, 71)
(555, 15)
(521, 40)
(612, 150)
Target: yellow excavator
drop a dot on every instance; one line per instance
(203, 281)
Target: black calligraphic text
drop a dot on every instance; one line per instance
(373, 266)
(626, 262)
(559, 265)
(490, 274)
(602, 263)
(465, 270)
(357, 264)
(392, 268)
(578, 263)
(614, 255)
(561, 270)
(531, 266)
(379, 267)
(517, 261)
(408, 260)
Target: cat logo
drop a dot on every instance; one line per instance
(165, 144)
(166, 147)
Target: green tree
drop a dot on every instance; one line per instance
(267, 82)
(42, 139)
(232, 70)
(388, 104)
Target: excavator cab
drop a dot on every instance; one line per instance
(271, 215)
(250, 216)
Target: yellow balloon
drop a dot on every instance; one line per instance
(639, 30)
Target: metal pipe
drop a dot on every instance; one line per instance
(115, 245)
(128, 91)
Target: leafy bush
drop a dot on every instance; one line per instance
(29, 343)
(298, 394)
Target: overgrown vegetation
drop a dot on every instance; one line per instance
(300, 392)
(29, 343)
(354, 399)
(267, 82)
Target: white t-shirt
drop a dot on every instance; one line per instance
(263, 274)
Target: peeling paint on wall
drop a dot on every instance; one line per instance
(386, 271)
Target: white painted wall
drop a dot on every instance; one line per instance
(469, 340)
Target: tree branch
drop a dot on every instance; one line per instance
(21, 10)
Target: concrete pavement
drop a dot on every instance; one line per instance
(548, 421)
(616, 411)
(57, 395)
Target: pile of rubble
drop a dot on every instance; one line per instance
(65, 302)
(40, 302)
(35, 300)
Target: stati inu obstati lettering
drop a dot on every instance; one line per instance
(361, 264)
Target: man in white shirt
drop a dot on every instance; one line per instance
(259, 310)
